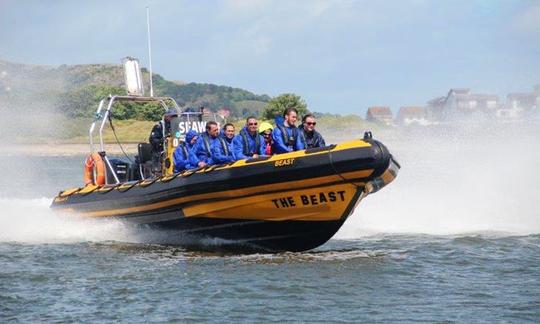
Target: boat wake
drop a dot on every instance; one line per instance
(31, 221)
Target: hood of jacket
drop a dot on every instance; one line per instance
(189, 136)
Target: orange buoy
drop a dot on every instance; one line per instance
(94, 170)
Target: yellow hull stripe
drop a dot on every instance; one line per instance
(315, 204)
(231, 194)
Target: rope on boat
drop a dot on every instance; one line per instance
(339, 174)
(117, 141)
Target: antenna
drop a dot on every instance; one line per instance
(149, 49)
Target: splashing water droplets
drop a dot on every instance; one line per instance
(31, 221)
(458, 181)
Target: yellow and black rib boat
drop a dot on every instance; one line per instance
(288, 202)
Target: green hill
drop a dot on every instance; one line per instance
(43, 103)
(75, 90)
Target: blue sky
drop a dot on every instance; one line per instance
(340, 56)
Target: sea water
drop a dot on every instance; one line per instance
(456, 237)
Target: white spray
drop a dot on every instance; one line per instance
(468, 179)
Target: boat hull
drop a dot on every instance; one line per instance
(245, 235)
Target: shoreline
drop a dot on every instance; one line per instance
(49, 149)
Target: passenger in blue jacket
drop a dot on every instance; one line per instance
(210, 148)
(228, 133)
(248, 143)
(285, 135)
(222, 151)
(309, 136)
(181, 155)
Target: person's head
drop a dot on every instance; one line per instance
(290, 114)
(252, 124)
(212, 128)
(170, 114)
(309, 122)
(191, 137)
(228, 130)
(266, 131)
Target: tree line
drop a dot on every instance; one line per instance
(82, 102)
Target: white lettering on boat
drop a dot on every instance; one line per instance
(199, 126)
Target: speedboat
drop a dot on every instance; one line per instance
(288, 202)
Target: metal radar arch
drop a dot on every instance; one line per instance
(135, 93)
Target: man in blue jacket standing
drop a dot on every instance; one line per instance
(248, 143)
(285, 135)
(210, 148)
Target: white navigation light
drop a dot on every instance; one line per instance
(132, 74)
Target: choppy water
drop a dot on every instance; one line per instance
(381, 278)
(455, 238)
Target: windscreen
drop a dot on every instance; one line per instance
(190, 120)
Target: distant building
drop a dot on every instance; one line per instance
(380, 114)
(461, 103)
(434, 109)
(411, 115)
(519, 105)
(509, 114)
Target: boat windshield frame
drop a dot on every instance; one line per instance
(103, 115)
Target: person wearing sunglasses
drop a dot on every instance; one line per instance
(309, 136)
(248, 143)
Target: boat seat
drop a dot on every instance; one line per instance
(145, 152)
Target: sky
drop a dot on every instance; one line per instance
(340, 56)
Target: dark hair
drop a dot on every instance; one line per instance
(171, 112)
(250, 117)
(306, 116)
(288, 110)
(228, 124)
(210, 123)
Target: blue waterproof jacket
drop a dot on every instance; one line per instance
(181, 157)
(182, 153)
(222, 151)
(210, 150)
(222, 134)
(284, 143)
(245, 145)
(310, 140)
